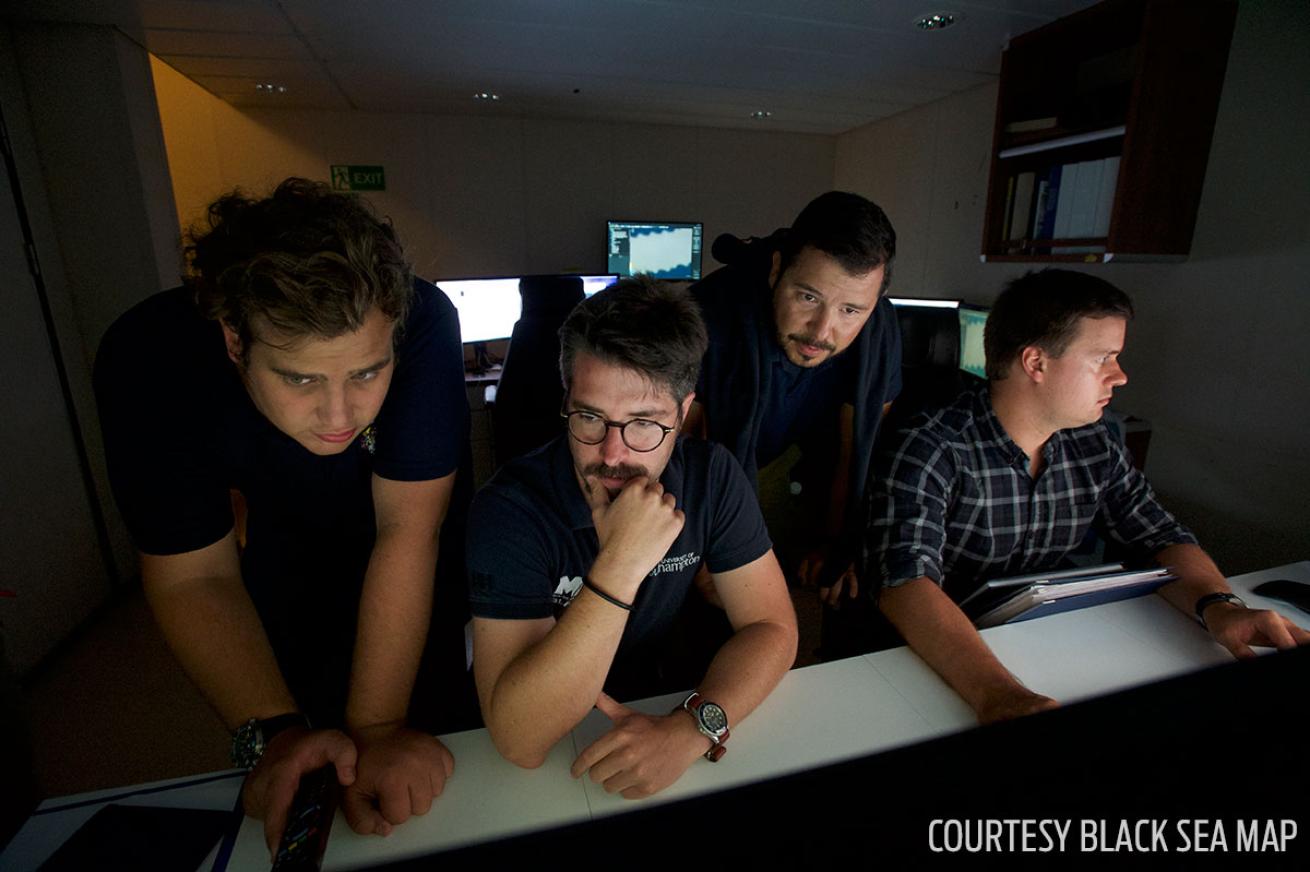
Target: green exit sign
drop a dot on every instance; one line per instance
(353, 178)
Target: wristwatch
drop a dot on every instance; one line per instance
(251, 738)
(1211, 598)
(711, 721)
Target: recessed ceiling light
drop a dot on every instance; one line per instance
(936, 21)
(486, 97)
(270, 88)
(761, 114)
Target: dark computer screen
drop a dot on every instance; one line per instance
(662, 249)
(489, 307)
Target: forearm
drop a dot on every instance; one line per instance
(395, 608)
(936, 629)
(215, 633)
(748, 667)
(552, 685)
(1197, 575)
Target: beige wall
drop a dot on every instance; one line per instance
(1219, 355)
(496, 196)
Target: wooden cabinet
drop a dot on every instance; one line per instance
(1103, 128)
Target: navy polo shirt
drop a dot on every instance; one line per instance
(531, 539)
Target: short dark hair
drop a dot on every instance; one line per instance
(653, 328)
(309, 261)
(848, 228)
(1042, 308)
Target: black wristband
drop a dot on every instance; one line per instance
(586, 582)
(1211, 598)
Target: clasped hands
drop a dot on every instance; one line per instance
(810, 570)
(388, 773)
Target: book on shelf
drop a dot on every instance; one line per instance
(1105, 196)
(1009, 207)
(1024, 597)
(1021, 216)
(1048, 194)
(1029, 125)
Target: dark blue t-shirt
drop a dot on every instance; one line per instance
(531, 540)
(801, 399)
(181, 433)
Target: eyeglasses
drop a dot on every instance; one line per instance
(639, 434)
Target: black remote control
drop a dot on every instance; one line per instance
(308, 823)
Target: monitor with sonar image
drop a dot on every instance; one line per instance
(973, 357)
(661, 249)
(489, 307)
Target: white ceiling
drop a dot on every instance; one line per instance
(823, 66)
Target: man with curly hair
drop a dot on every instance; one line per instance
(303, 374)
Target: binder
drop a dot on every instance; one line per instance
(1022, 598)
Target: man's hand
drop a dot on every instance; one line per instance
(1237, 629)
(272, 784)
(1014, 704)
(636, 530)
(643, 754)
(810, 571)
(400, 772)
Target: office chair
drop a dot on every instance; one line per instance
(529, 395)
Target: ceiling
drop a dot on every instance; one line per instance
(823, 66)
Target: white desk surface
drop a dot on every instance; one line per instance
(817, 715)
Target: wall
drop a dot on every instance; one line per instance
(1218, 356)
(51, 552)
(480, 195)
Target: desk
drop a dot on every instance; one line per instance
(818, 715)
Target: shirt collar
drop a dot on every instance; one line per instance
(990, 429)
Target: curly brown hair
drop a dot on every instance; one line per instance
(305, 260)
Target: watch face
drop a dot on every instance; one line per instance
(713, 718)
(247, 745)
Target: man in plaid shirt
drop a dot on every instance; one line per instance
(1008, 479)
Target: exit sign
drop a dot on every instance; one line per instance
(353, 178)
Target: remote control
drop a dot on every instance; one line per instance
(308, 823)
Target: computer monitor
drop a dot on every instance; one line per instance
(489, 307)
(973, 358)
(662, 249)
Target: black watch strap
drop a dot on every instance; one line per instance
(251, 738)
(1211, 598)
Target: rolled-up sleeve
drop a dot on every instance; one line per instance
(907, 511)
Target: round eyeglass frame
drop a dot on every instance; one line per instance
(623, 430)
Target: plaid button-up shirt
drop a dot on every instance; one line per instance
(955, 501)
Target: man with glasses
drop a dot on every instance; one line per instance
(582, 552)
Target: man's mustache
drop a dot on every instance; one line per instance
(623, 471)
(810, 340)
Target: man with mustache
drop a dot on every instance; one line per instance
(1008, 479)
(805, 350)
(582, 553)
